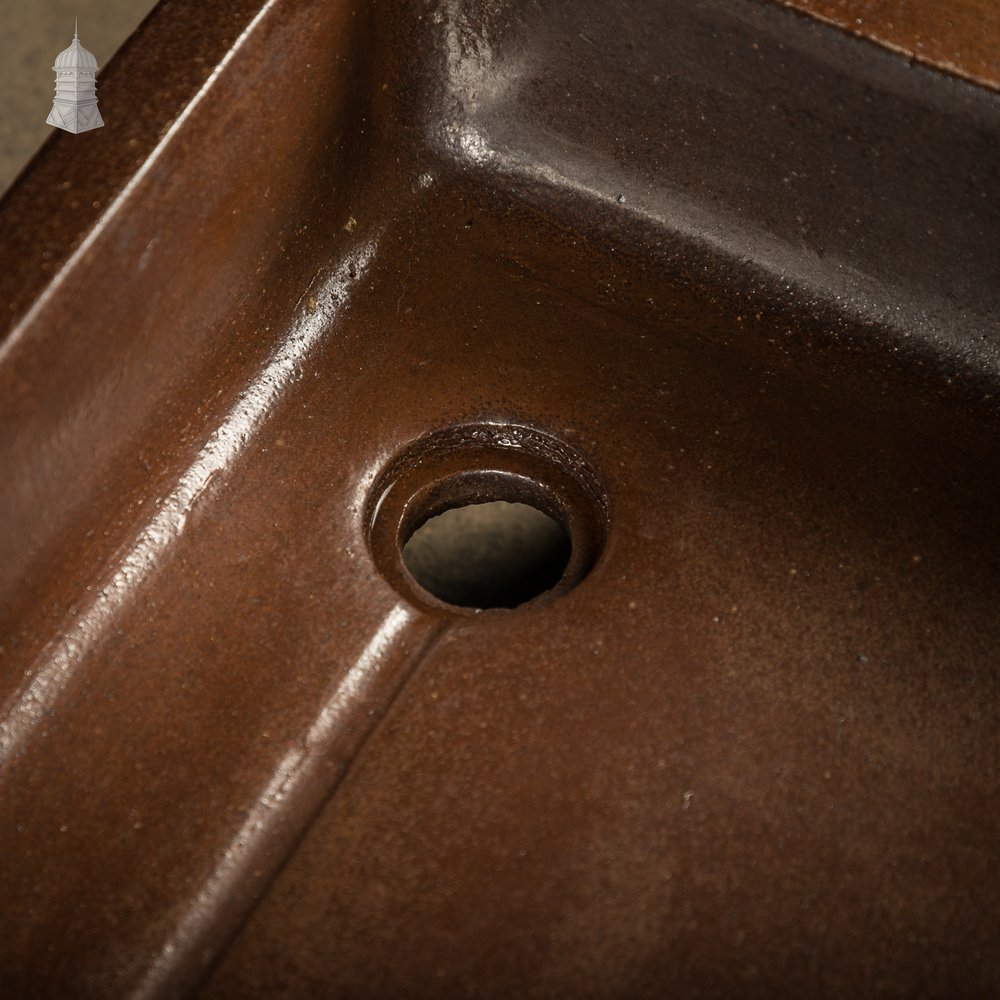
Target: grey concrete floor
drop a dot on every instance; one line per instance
(32, 34)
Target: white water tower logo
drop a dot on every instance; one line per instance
(75, 107)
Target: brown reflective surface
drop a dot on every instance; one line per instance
(961, 37)
(714, 286)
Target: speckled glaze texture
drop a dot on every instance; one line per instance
(962, 37)
(717, 284)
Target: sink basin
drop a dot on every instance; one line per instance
(712, 286)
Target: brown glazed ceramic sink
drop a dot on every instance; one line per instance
(713, 286)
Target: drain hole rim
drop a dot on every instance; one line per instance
(479, 463)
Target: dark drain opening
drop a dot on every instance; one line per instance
(488, 555)
(486, 516)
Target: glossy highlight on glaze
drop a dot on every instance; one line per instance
(53, 670)
(710, 284)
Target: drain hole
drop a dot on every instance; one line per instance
(486, 516)
(488, 555)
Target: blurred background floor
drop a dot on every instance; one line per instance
(32, 34)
